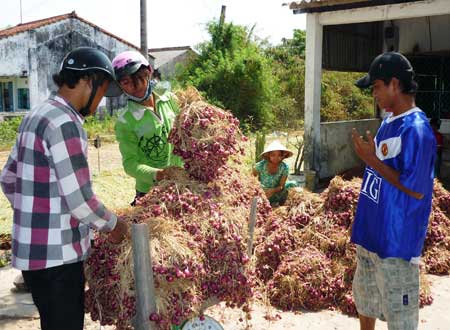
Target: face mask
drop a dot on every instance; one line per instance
(162, 87)
(150, 85)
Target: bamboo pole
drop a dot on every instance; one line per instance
(98, 161)
(143, 277)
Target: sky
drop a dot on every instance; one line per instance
(170, 22)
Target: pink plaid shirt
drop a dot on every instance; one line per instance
(47, 181)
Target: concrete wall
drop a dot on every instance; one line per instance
(336, 149)
(168, 69)
(445, 126)
(14, 54)
(429, 34)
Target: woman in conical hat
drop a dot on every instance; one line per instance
(272, 172)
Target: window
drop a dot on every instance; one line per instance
(23, 95)
(6, 96)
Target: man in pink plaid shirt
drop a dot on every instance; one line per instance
(47, 181)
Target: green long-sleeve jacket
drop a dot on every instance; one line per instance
(142, 135)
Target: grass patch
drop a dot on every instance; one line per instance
(5, 208)
(8, 132)
(114, 188)
(94, 125)
(5, 215)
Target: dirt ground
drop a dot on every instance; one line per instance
(434, 317)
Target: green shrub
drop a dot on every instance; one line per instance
(233, 72)
(8, 131)
(260, 142)
(93, 125)
(96, 126)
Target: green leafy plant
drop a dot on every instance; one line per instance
(103, 126)
(341, 99)
(260, 142)
(233, 72)
(8, 131)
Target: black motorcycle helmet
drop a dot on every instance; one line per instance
(89, 59)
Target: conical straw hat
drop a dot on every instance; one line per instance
(276, 145)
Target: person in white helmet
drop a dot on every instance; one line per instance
(143, 127)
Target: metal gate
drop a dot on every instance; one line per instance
(433, 77)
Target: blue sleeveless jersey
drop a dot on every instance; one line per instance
(388, 222)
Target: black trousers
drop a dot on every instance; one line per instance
(58, 294)
(138, 195)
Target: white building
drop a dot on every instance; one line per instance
(166, 59)
(31, 53)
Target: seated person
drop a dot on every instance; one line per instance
(435, 125)
(272, 172)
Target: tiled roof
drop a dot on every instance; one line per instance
(46, 21)
(8, 32)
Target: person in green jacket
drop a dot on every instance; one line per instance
(143, 127)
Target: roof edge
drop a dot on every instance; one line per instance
(316, 4)
(336, 5)
(74, 15)
(164, 49)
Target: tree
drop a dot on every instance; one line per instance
(341, 100)
(288, 66)
(233, 72)
(264, 85)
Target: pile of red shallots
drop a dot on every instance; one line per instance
(305, 256)
(437, 243)
(205, 137)
(198, 227)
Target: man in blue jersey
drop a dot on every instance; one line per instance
(395, 199)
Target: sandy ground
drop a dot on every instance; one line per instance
(434, 317)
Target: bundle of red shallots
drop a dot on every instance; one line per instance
(205, 137)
